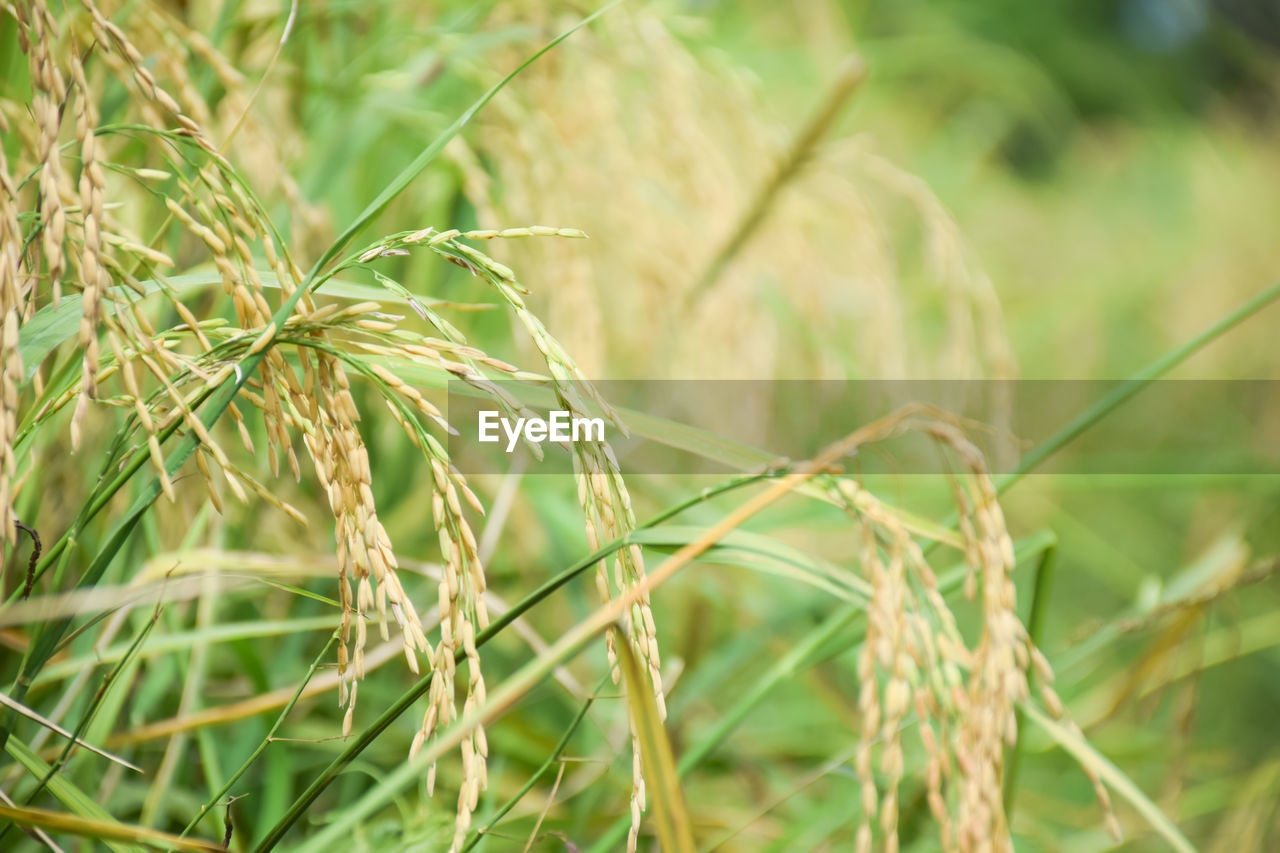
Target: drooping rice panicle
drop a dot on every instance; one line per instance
(915, 663)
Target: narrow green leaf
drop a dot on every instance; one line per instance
(674, 830)
(1113, 776)
(106, 831)
(67, 793)
(53, 325)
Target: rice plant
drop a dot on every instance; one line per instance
(252, 599)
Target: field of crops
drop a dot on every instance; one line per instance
(679, 425)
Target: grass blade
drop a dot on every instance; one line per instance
(51, 725)
(674, 830)
(1041, 589)
(1113, 776)
(67, 793)
(556, 752)
(102, 830)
